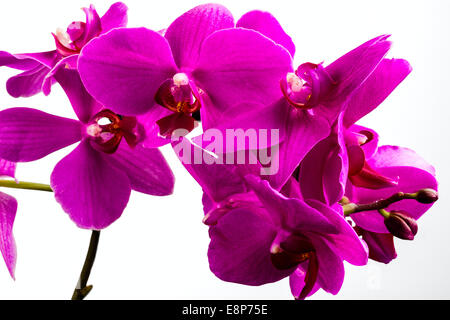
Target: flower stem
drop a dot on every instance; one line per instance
(82, 289)
(351, 208)
(25, 185)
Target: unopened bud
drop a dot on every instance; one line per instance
(401, 225)
(427, 196)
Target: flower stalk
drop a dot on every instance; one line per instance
(82, 289)
(25, 185)
(350, 208)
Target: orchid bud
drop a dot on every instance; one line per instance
(401, 225)
(427, 195)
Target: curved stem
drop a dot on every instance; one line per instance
(82, 289)
(351, 208)
(25, 185)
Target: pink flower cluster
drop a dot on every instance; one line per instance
(333, 196)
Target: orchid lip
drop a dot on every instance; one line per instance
(106, 130)
(179, 95)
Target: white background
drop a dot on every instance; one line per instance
(157, 249)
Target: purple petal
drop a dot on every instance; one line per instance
(8, 208)
(239, 250)
(369, 147)
(93, 25)
(410, 180)
(27, 134)
(217, 180)
(27, 61)
(323, 171)
(265, 23)
(27, 83)
(148, 120)
(346, 241)
(352, 69)
(7, 168)
(237, 63)
(394, 156)
(303, 132)
(17, 61)
(124, 68)
(115, 17)
(297, 282)
(294, 214)
(69, 62)
(90, 189)
(381, 246)
(84, 105)
(331, 269)
(187, 33)
(146, 168)
(386, 77)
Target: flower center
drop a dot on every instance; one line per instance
(178, 95)
(107, 128)
(181, 96)
(304, 88)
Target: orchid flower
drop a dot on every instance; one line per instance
(401, 170)
(93, 183)
(8, 208)
(39, 68)
(201, 64)
(259, 235)
(324, 170)
(314, 96)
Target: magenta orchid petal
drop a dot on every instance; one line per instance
(124, 68)
(297, 282)
(187, 33)
(69, 62)
(386, 77)
(146, 168)
(381, 245)
(413, 173)
(217, 180)
(295, 214)
(84, 105)
(8, 208)
(7, 168)
(348, 245)
(303, 132)
(27, 61)
(394, 156)
(115, 17)
(93, 25)
(27, 134)
(239, 250)
(370, 146)
(410, 179)
(331, 269)
(352, 69)
(148, 120)
(91, 190)
(254, 119)
(268, 25)
(323, 171)
(233, 57)
(17, 61)
(27, 83)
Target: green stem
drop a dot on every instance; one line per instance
(82, 289)
(25, 185)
